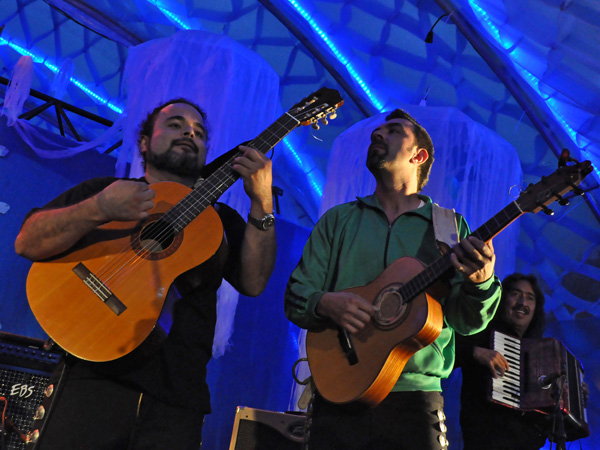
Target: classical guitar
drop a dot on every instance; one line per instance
(101, 302)
(364, 367)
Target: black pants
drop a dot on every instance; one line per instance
(403, 421)
(100, 414)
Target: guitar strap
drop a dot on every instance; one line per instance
(445, 227)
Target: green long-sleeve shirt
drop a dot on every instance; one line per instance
(353, 243)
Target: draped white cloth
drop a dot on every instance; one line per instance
(475, 171)
(17, 93)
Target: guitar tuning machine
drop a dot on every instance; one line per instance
(315, 125)
(547, 211)
(562, 201)
(577, 190)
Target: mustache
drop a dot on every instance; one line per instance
(187, 141)
(523, 308)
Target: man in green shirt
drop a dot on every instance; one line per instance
(350, 246)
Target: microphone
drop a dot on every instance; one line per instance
(545, 381)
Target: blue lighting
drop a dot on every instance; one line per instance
(532, 80)
(337, 53)
(310, 177)
(175, 18)
(42, 60)
(312, 181)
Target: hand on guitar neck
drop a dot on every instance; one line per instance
(474, 258)
(255, 170)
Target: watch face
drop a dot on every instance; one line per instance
(268, 221)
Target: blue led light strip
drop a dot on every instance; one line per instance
(175, 18)
(338, 54)
(317, 187)
(42, 60)
(531, 79)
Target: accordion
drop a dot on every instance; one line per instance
(543, 375)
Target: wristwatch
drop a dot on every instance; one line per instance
(262, 224)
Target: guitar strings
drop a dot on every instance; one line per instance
(485, 232)
(158, 236)
(225, 177)
(120, 272)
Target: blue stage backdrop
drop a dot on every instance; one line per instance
(256, 370)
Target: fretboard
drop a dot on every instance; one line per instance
(432, 273)
(181, 214)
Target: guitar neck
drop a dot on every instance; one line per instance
(442, 265)
(192, 205)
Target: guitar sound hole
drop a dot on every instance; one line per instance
(156, 236)
(392, 308)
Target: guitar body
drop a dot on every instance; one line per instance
(75, 316)
(401, 328)
(104, 298)
(383, 347)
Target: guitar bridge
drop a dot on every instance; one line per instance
(99, 288)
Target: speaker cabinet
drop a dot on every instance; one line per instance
(25, 369)
(257, 429)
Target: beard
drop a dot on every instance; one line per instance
(376, 160)
(175, 162)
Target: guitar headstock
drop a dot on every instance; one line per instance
(317, 106)
(538, 196)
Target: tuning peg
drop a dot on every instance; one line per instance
(332, 116)
(577, 191)
(547, 211)
(562, 201)
(315, 126)
(324, 121)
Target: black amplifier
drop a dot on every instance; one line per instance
(26, 365)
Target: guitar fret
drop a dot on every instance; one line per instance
(367, 360)
(193, 204)
(438, 268)
(209, 191)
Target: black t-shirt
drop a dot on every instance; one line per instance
(176, 371)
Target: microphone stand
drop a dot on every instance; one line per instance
(558, 434)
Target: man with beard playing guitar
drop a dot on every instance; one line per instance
(160, 403)
(350, 246)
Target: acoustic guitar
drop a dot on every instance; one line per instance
(102, 301)
(365, 367)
